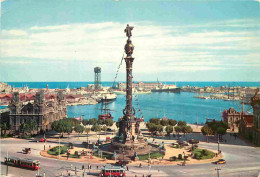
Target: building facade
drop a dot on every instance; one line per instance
(255, 103)
(44, 109)
(232, 118)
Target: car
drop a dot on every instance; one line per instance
(220, 161)
(193, 141)
(40, 139)
(43, 140)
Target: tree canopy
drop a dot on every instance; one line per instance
(109, 122)
(79, 128)
(169, 129)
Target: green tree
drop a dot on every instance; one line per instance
(206, 130)
(178, 129)
(159, 128)
(109, 122)
(104, 128)
(100, 122)
(4, 127)
(85, 122)
(164, 122)
(172, 122)
(186, 129)
(63, 126)
(182, 123)
(87, 130)
(30, 126)
(152, 128)
(93, 121)
(79, 129)
(155, 121)
(96, 128)
(221, 131)
(169, 130)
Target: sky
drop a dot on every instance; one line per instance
(175, 40)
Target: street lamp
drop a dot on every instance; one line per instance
(217, 168)
(218, 143)
(59, 147)
(184, 160)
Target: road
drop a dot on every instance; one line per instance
(241, 161)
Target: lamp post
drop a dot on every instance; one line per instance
(7, 164)
(218, 143)
(217, 168)
(59, 147)
(184, 160)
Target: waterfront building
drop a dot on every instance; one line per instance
(140, 86)
(5, 88)
(246, 127)
(255, 103)
(41, 107)
(232, 118)
(250, 124)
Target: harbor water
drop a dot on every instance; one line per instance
(175, 106)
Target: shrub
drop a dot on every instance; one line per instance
(173, 158)
(193, 148)
(197, 155)
(70, 145)
(76, 153)
(177, 146)
(180, 156)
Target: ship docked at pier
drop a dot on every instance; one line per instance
(167, 88)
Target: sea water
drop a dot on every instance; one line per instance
(172, 105)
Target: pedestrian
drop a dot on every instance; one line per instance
(97, 167)
(90, 166)
(127, 168)
(83, 167)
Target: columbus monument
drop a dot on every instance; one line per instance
(129, 141)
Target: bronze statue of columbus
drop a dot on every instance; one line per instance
(128, 31)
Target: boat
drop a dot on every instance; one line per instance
(166, 88)
(106, 114)
(169, 88)
(108, 97)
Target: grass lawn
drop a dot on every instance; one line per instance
(203, 154)
(55, 150)
(104, 155)
(154, 155)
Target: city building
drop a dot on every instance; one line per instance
(41, 107)
(232, 118)
(255, 103)
(140, 85)
(246, 126)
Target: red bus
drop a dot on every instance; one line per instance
(25, 163)
(112, 171)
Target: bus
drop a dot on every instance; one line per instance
(24, 163)
(112, 171)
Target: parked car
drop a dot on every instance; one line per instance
(40, 139)
(122, 162)
(193, 141)
(185, 143)
(220, 161)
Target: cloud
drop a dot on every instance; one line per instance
(157, 48)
